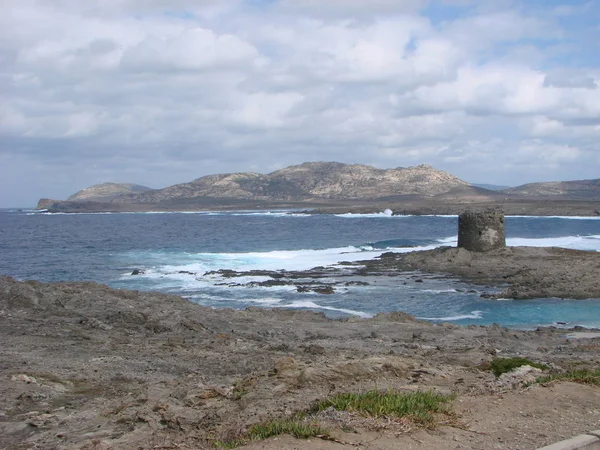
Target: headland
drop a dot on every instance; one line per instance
(89, 367)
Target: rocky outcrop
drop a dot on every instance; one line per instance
(583, 189)
(46, 203)
(107, 191)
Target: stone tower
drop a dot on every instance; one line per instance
(480, 231)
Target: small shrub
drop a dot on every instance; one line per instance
(584, 376)
(504, 365)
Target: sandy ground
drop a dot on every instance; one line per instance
(84, 366)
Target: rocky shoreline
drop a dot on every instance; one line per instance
(84, 366)
(519, 272)
(510, 272)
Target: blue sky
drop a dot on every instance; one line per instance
(159, 92)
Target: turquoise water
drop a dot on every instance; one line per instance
(175, 250)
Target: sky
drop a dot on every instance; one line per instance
(159, 92)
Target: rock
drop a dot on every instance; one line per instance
(518, 377)
(43, 421)
(24, 379)
(46, 203)
(325, 290)
(314, 349)
(481, 231)
(137, 272)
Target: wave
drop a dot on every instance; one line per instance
(312, 305)
(186, 272)
(558, 217)
(591, 242)
(265, 213)
(473, 315)
(439, 291)
(385, 213)
(263, 301)
(400, 243)
(186, 266)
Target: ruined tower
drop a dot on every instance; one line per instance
(480, 231)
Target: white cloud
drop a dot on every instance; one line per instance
(192, 49)
(130, 86)
(349, 8)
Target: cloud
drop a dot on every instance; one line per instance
(158, 92)
(192, 49)
(349, 8)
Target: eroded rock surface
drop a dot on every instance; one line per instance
(86, 366)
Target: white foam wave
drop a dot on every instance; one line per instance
(270, 214)
(451, 240)
(573, 242)
(263, 301)
(591, 242)
(473, 315)
(560, 217)
(186, 272)
(439, 291)
(386, 213)
(312, 305)
(190, 269)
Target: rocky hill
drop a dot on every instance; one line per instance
(107, 191)
(581, 189)
(308, 181)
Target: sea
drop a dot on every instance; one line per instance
(175, 253)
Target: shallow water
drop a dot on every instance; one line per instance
(175, 250)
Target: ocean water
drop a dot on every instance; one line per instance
(175, 251)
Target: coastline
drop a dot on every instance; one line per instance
(86, 366)
(520, 272)
(411, 206)
(517, 273)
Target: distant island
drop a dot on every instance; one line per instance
(331, 187)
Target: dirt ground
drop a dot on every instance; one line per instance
(84, 366)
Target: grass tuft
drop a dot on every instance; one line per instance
(504, 365)
(296, 427)
(417, 405)
(584, 376)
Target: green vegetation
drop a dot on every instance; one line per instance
(584, 376)
(297, 427)
(503, 365)
(416, 405)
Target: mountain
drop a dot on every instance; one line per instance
(491, 187)
(107, 191)
(337, 187)
(578, 189)
(308, 181)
